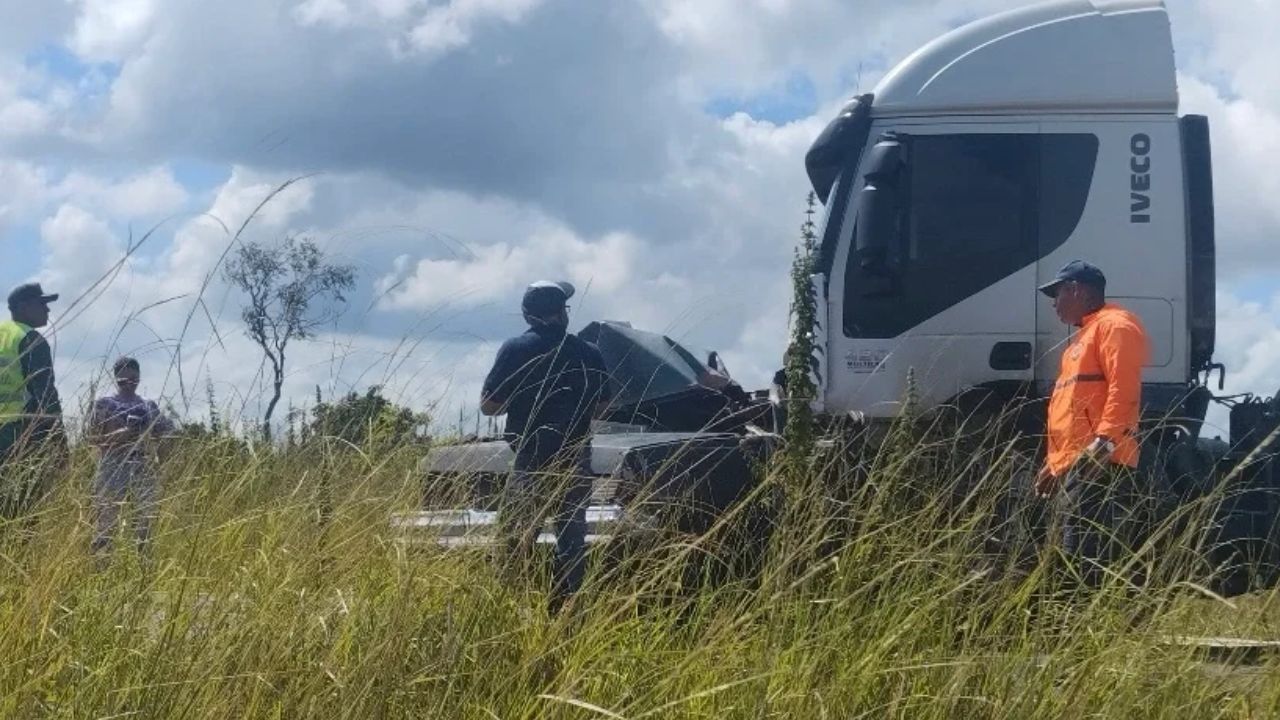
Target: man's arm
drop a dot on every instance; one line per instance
(98, 428)
(1046, 483)
(43, 404)
(1122, 351)
(494, 392)
(37, 367)
(106, 428)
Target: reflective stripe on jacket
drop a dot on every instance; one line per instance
(1099, 388)
(13, 382)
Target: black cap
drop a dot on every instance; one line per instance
(1076, 271)
(27, 292)
(546, 297)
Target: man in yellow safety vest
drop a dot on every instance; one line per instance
(30, 410)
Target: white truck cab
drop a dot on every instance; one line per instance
(977, 168)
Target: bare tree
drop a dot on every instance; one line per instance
(292, 291)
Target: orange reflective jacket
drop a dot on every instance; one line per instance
(1098, 389)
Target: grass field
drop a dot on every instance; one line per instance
(275, 588)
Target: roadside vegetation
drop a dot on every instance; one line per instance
(277, 587)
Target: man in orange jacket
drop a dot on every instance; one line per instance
(1093, 420)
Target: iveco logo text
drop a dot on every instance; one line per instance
(1140, 180)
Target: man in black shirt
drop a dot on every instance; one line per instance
(550, 384)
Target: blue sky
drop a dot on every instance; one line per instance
(795, 98)
(650, 150)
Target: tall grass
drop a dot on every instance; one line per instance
(276, 587)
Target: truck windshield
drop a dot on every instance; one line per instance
(644, 365)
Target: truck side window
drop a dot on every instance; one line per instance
(977, 208)
(969, 196)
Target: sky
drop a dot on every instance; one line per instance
(650, 151)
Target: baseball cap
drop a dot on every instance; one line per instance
(1075, 271)
(545, 297)
(27, 292)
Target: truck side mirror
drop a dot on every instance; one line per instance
(878, 205)
(885, 157)
(877, 224)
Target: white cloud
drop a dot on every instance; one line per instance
(79, 250)
(146, 195)
(21, 115)
(111, 30)
(26, 189)
(245, 83)
(448, 26)
(392, 9)
(1250, 333)
(200, 243)
(746, 46)
(1246, 145)
(500, 270)
(333, 13)
(1237, 42)
(149, 194)
(415, 27)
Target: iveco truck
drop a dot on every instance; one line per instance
(979, 166)
(976, 168)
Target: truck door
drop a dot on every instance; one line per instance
(980, 206)
(1112, 194)
(958, 304)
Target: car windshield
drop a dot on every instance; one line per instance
(644, 365)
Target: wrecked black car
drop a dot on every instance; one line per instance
(677, 447)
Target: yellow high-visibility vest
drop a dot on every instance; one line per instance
(13, 384)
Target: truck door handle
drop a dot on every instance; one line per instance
(1011, 356)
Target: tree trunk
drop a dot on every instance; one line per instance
(277, 383)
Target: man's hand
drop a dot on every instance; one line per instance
(1098, 451)
(106, 433)
(122, 434)
(1046, 483)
